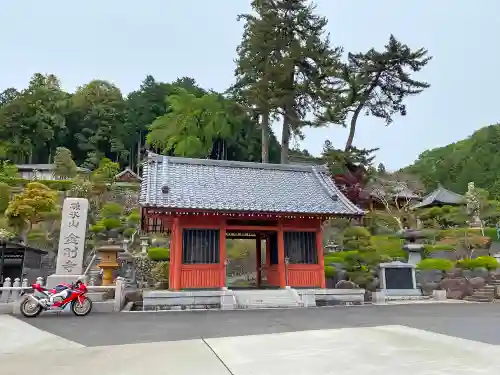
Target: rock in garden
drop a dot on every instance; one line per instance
(428, 287)
(346, 284)
(429, 276)
(477, 282)
(456, 287)
(480, 272)
(373, 285)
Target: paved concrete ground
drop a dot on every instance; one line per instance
(353, 351)
(480, 322)
(409, 339)
(16, 336)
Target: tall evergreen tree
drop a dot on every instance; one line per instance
(286, 62)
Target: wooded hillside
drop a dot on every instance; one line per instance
(476, 158)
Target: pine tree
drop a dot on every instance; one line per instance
(378, 83)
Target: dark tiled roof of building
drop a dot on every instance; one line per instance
(440, 196)
(221, 185)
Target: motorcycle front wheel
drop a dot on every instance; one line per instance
(81, 309)
(30, 308)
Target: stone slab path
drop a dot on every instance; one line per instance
(343, 351)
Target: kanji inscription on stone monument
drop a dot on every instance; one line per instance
(72, 237)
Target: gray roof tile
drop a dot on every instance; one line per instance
(240, 186)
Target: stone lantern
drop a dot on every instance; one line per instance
(108, 261)
(414, 249)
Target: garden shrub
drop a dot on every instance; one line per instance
(437, 247)
(333, 258)
(4, 196)
(330, 271)
(159, 253)
(435, 264)
(491, 233)
(361, 277)
(160, 273)
(487, 262)
(356, 238)
(391, 246)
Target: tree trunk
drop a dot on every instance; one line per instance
(357, 111)
(285, 138)
(352, 127)
(265, 136)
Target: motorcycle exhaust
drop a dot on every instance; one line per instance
(39, 302)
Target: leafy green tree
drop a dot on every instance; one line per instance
(293, 64)
(378, 83)
(34, 119)
(142, 108)
(192, 125)
(8, 170)
(97, 118)
(30, 207)
(65, 167)
(106, 172)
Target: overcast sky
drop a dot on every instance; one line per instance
(123, 41)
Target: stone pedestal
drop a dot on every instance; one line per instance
(398, 279)
(415, 252)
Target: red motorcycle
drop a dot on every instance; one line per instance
(62, 295)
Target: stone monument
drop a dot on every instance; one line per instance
(413, 248)
(71, 248)
(398, 279)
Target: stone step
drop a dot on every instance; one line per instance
(479, 298)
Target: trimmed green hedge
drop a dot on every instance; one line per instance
(159, 253)
(435, 264)
(487, 262)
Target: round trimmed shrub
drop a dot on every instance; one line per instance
(159, 253)
(435, 264)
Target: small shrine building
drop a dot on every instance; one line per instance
(202, 202)
(440, 197)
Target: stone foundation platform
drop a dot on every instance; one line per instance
(249, 299)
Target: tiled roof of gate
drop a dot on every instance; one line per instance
(220, 185)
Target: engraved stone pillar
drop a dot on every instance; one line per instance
(71, 242)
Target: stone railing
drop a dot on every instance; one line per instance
(11, 291)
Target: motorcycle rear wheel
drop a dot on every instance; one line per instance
(30, 309)
(81, 309)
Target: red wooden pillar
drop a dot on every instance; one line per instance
(321, 259)
(258, 256)
(176, 255)
(281, 255)
(222, 254)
